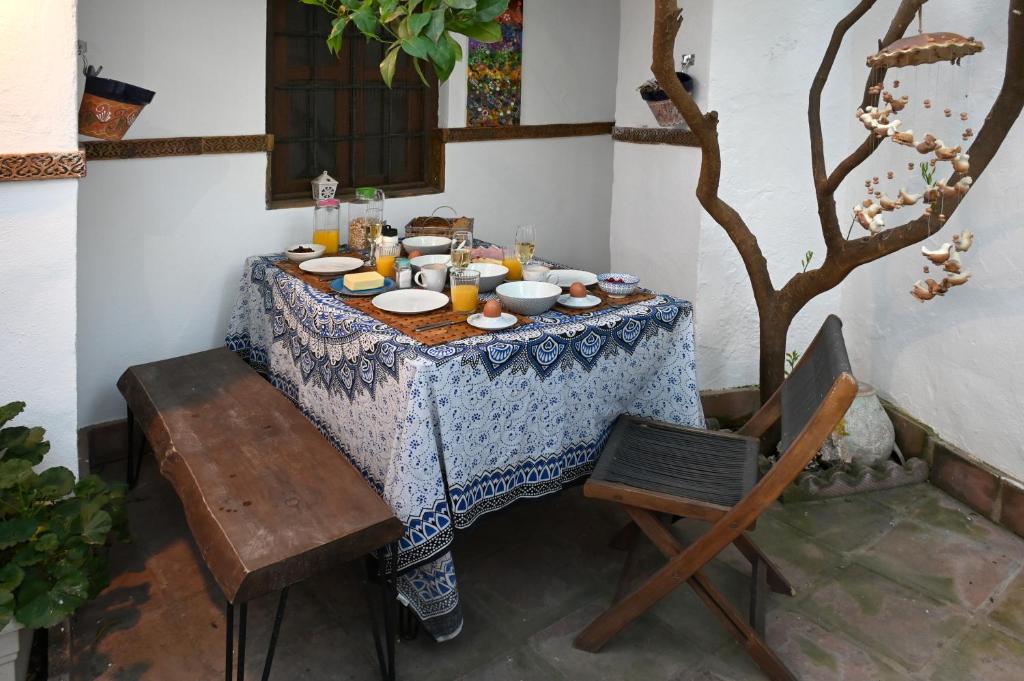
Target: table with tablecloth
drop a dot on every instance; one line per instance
(450, 432)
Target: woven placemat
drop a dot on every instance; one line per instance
(408, 324)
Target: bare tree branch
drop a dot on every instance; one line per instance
(897, 27)
(667, 20)
(830, 229)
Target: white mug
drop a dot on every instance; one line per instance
(538, 273)
(432, 276)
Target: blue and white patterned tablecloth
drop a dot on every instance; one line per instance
(451, 432)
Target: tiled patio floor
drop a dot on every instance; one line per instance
(906, 584)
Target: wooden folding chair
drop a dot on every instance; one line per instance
(658, 471)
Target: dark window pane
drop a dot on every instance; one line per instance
(333, 113)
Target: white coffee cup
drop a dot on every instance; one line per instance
(538, 273)
(432, 276)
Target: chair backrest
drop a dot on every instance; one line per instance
(807, 386)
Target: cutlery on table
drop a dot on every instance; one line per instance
(438, 325)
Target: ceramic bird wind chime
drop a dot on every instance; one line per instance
(885, 123)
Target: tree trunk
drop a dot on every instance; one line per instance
(774, 328)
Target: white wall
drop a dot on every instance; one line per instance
(164, 240)
(655, 219)
(37, 218)
(952, 361)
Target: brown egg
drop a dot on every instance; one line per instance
(578, 290)
(414, 254)
(492, 308)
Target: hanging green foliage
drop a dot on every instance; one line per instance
(52, 530)
(420, 28)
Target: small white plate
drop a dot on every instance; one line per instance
(410, 301)
(332, 265)
(316, 250)
(567, 300)
(492, 323)
(566, 278)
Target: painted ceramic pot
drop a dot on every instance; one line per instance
(109, 107)
(665, 112)
(867, 433)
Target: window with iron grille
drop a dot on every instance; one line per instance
(335, 113)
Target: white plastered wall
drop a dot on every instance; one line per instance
(37, 219)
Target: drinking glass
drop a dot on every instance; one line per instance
(462, 249)
(385, 262)
(465, 285)
(374, 224)
(510, 260)
(526, 242)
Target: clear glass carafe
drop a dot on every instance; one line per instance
(327, 224)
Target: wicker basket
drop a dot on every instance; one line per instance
(435, 225)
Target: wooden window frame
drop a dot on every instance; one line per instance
(433, 182)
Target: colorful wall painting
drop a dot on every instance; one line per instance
(495, 70)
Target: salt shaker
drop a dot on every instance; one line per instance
(403, 273)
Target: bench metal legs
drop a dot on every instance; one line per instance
(229, 657)
(136, 446)
(384, 627)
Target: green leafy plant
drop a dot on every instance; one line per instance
(53, 530)
(927, 173)
(808, 256)
(420, 28)
(792, 357)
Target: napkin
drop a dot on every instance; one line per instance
(488, 252)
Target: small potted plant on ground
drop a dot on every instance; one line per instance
(53, 534)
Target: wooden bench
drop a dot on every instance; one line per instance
(268, 499)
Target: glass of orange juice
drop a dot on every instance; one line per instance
(510, 260)
(465, 290)
(386, 254)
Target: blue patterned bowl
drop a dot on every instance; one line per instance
(616, 289)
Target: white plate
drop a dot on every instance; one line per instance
(410, 301)
(567, 300)
(332, 265)
(565, 278)
(492, 323)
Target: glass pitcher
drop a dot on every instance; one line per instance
(326, 224)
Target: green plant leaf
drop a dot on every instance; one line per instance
(436, 26)
(45, 609)
(10, 410)
(365, 20)
(417, 22)
(27, 556)
(417, 47)
(96, 528)
(11, 577)
(489, 32)
(56, 483)
(47, 543)
(337, 33)
(442, 56)
(486, 10)
(6, 608)
(16, 530)
(461, 4)
(387, 67)
(14, 472)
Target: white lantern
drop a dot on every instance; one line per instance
(324, 187)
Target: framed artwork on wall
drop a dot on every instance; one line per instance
(495, 74)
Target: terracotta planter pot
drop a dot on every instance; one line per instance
(109, 107)
(664, 110)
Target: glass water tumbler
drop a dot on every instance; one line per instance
(326, 224)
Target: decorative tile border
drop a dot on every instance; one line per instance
(675, 136)
(178, 146)
(64, 165)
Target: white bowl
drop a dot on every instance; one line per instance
(318, 250)
(528, 297)
(490, 274)
(437, 259)
(427, 245)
